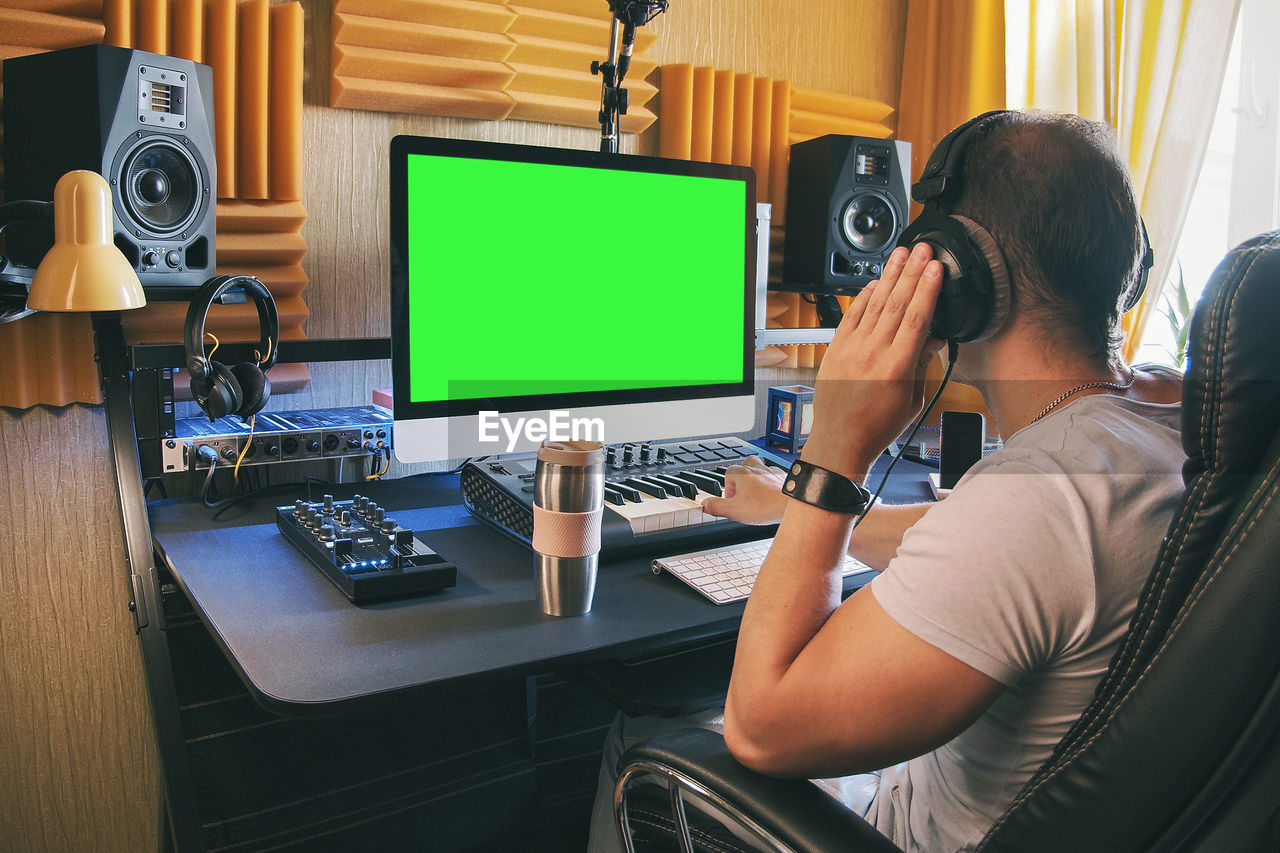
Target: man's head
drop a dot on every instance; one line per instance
(1056, 197)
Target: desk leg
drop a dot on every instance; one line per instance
(183, 821)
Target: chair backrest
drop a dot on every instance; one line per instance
(1180, 749)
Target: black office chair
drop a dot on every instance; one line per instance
(1180, 749)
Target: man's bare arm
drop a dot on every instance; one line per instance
(753, 495)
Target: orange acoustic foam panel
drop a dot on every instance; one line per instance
(255, 50)
(730, 117)
(482, 59)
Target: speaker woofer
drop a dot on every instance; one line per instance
(869, 222)
(160, 186)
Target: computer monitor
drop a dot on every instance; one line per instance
(549, 293)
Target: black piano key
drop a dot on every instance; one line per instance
(647, 487)
(706, 483)
(684, 487)
(613, 496)
(714, 474)
(626, 491)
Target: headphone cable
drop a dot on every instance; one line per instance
(952, 351)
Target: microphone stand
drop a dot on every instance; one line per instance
(627, 15)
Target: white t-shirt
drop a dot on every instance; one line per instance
(1029, 572)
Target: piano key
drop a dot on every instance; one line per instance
(626, 491)
(705, 482)
(686, 488)
(613, 496)
(646, 486)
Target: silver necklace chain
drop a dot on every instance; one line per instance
(1114, 386)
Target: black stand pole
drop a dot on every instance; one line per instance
(627, 15)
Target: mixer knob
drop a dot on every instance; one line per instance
(378, 515)
(326, 533)
(388, 525)
(646, 453)
(345, 518)
(328, 505)
(627, 453)
(611, 456)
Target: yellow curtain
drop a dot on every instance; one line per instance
(953, 68)
(1146, 67)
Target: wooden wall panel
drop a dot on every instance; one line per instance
(725, 117)
(79, 770)
(483, 59)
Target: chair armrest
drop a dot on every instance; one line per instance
(794, 812)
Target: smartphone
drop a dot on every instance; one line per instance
(961, 445)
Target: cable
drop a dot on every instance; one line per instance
(235, 476)
(952, 351)
(210, 455)
(376, 457)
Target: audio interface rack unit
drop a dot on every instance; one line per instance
(279, 437)
(156, 426)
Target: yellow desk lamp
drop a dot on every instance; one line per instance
(84, 271)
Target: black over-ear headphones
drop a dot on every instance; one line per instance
(975, 293)
(243, 389)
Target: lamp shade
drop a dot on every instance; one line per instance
(84, 271)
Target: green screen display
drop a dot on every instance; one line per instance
(533, 278)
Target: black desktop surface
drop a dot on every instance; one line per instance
(303, 649)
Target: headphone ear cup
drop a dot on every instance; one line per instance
(993, 260)
(975, 290)
(255, 388)
(220, 394)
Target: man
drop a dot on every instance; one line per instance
(998, 609)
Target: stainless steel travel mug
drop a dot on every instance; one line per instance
(568, 503)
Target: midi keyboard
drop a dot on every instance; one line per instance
(653, 494)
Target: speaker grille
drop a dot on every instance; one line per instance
(160, 186)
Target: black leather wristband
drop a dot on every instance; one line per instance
(825, 489)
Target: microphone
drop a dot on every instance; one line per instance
(637, 13)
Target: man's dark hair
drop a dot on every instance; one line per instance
(1056, 196)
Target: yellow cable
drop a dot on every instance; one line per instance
(235, 472)
(262, 359)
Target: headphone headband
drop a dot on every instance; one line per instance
(943, 172)
(198, 310)
(944, 163)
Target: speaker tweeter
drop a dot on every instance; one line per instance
(847, 202)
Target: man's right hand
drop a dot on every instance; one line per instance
(752, 494)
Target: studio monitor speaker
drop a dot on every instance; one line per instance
(145, 123)
(847, 202)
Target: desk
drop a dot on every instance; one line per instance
(303, 649)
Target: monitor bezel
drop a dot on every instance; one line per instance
(633, 237)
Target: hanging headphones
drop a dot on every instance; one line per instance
(244, 388)
(975, 296)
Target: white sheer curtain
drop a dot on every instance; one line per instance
(1152, 69)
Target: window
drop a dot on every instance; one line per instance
(1237, 193)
